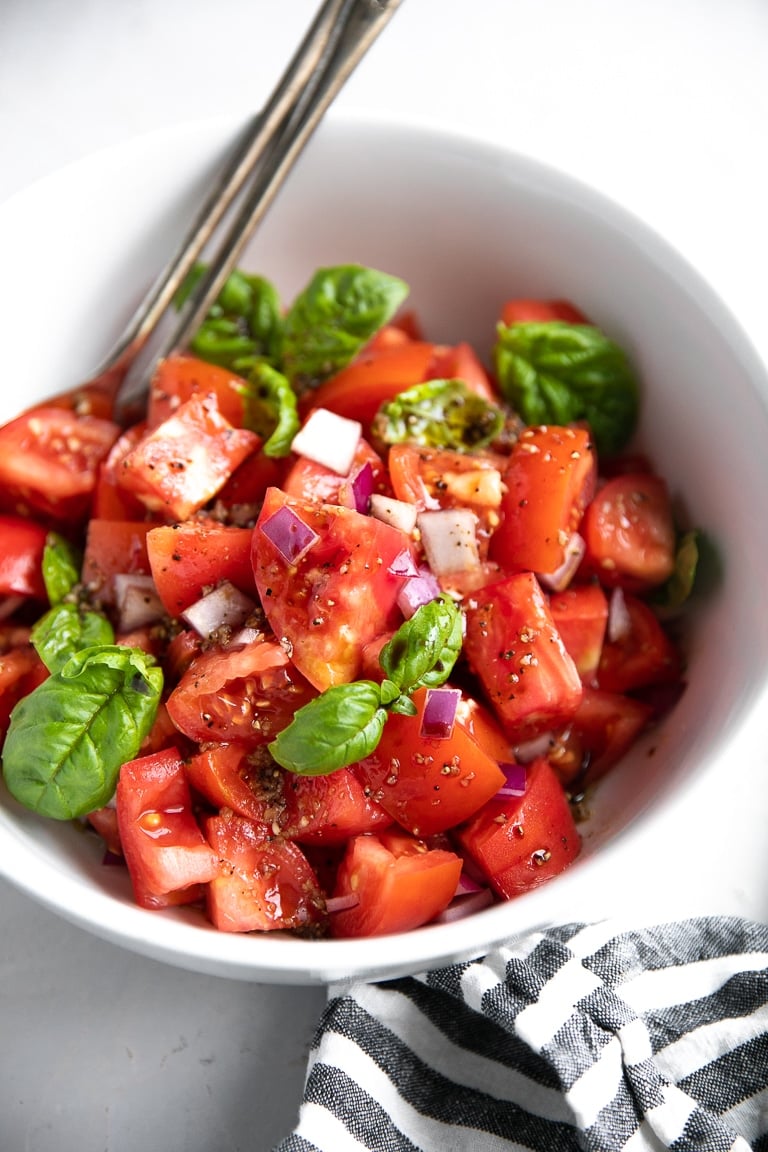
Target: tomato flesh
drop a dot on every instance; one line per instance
(186, 558)
(629, 532)
(21, 557)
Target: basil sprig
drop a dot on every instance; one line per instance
(554, 372)
(439, 414)
(269, 405)
(336, 314)
(61, 566)
(244, 321)
(67, 627)
(68, 739)
(345, 723)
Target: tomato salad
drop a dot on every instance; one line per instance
(335, 635)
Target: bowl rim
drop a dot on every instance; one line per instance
(283, 959)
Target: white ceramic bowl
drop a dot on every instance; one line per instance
(467, 226)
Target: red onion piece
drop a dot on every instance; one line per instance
(515, 779)
(137, 601)
(342, 903)
(462, 906)
(467, 884)
(403, 564)
(328, 439)
(420, 589)
(449, 539)
(225, 606)
(439, 713)
(289, 534)
(398, 513)
(360, 488)
(559, 580)
(9, 604)
(619, 620)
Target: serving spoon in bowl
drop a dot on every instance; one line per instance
(338, 38)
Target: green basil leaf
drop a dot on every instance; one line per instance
(556, 373)
(270, 406)
(62, 563)
(439, 414)
(67, 629)
(330, 321)
(244, 321)
(68, 739)
(337, 728)
(222, 341)
(677, 589)
(424, 649)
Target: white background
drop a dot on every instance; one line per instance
(663, 104)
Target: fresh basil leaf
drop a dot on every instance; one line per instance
(329, 322)
(67, 629)
(556, 373)
(62, 563)
(270, 407)
(439, 414)
(336, 728)
(424, 649)
(68, 739)
(244, 321)
(677, 589)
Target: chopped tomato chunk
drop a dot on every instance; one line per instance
(186, 558)
(629, 531)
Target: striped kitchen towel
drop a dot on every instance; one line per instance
(599, 1037)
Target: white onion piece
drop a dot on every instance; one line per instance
(532, 749)
(619, 620)
(399, 513)
(559, 580)
(328, 439)
(137, 601)
(462, 906)
(420, 589)
(225, 606)
(245, 636)
(342, 903)
(450, 540)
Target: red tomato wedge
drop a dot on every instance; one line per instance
(604, 728)
(375, 377)
(629, 531)
(167, 855)
(328, 809)
(244, 695)
(645, 655)
(264, 883)
(398, 887)
(183, 462)
(522, 311)
(22, 543)
(516, 652)
(580, 614)
(178, 378)
(113, 547)
(427, 785)
(549, 480)
(186, 558)
(461, 362)
(520, 842)
(49, 460)
(223, 775)
(21, 670)
(308, 480)
(338, 595)
(110, 501)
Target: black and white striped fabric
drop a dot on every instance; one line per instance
(591, 1037)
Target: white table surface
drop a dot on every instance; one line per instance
(661, 103)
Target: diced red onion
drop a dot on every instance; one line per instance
(403, 564)
(619, 623)
(559, 580)
(530, 750)
(360, 488)
(399, 513)
(112, 860)
(515, 779)
(328, 439)
(439, 713)
(449, 539)
(225, 606)
(342, 903)
(289, 534)
(9, 604)
(420, 589)
(462, 906)
(137, 601)
(467, 884)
